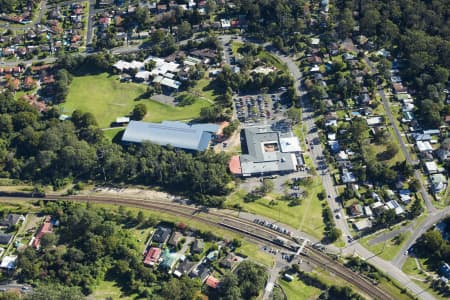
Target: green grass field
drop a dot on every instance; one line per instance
(107, 98)
(306, 217)
(386, 251)
(296, 289)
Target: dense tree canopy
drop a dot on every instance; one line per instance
(48, 151)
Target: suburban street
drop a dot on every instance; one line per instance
(353, 248)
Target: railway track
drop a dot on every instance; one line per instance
(246, 228)
(363, 283)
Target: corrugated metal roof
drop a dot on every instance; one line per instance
(178, 134)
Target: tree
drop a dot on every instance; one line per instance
(139, 111)
(184, 30)
(430, 243)
(229, 289)
(392, 150)
(414, 185)
(267, 186)
(334, 234)
(55, 292)
(48, 240)
(251, 279)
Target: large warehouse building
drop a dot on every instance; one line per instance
(268, 152)
(195, 137)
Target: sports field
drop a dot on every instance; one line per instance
(108, 98)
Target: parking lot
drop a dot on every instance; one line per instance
(259, 108)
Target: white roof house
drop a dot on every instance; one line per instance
(124, 65)
(431, 167)
(395, 206)
(362, 224)
(347, 176)
(368, 211)
(315, 41)
(9, 262)
(374, 121)
(225, 23)
(423, 146)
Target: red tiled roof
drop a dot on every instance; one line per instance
(212, 282)
(152, 256)
(235, 165)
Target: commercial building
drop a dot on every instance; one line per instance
(194, 137)
(268, 152)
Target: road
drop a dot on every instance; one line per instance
(387, 108)
(432, 219)
(316, 151)
(90, 29)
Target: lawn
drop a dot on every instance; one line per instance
(410, 268)
(252, 251)
(306, 217)
(107, 98)
(296, 289)
(111, 133)
(386, 250)
(109, 289)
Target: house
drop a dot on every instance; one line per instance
(424, 146)
(347, 176)
(431, 167)
(161, 235)
(5, 238)
(334, 146)
(184, 267)
(395, 206)
(442, 154)
(367, 211)
(230, 261)
(362, 224)
(47, 227)
(445, 270)
(9, 262)
(212, 282)
(201, 271)
(356, 210)
(12, 220)
(198, 246)
(405, 196)
(374, 121)
(152, 256)
(438, 182)
(175, 239)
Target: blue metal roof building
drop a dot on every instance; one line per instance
(177, 134)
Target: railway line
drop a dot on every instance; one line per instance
(246, 228)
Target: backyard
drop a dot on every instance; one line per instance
(107, 98)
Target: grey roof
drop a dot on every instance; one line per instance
(260, 160)
(161, 235)
(5, 238)
(178, 134)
